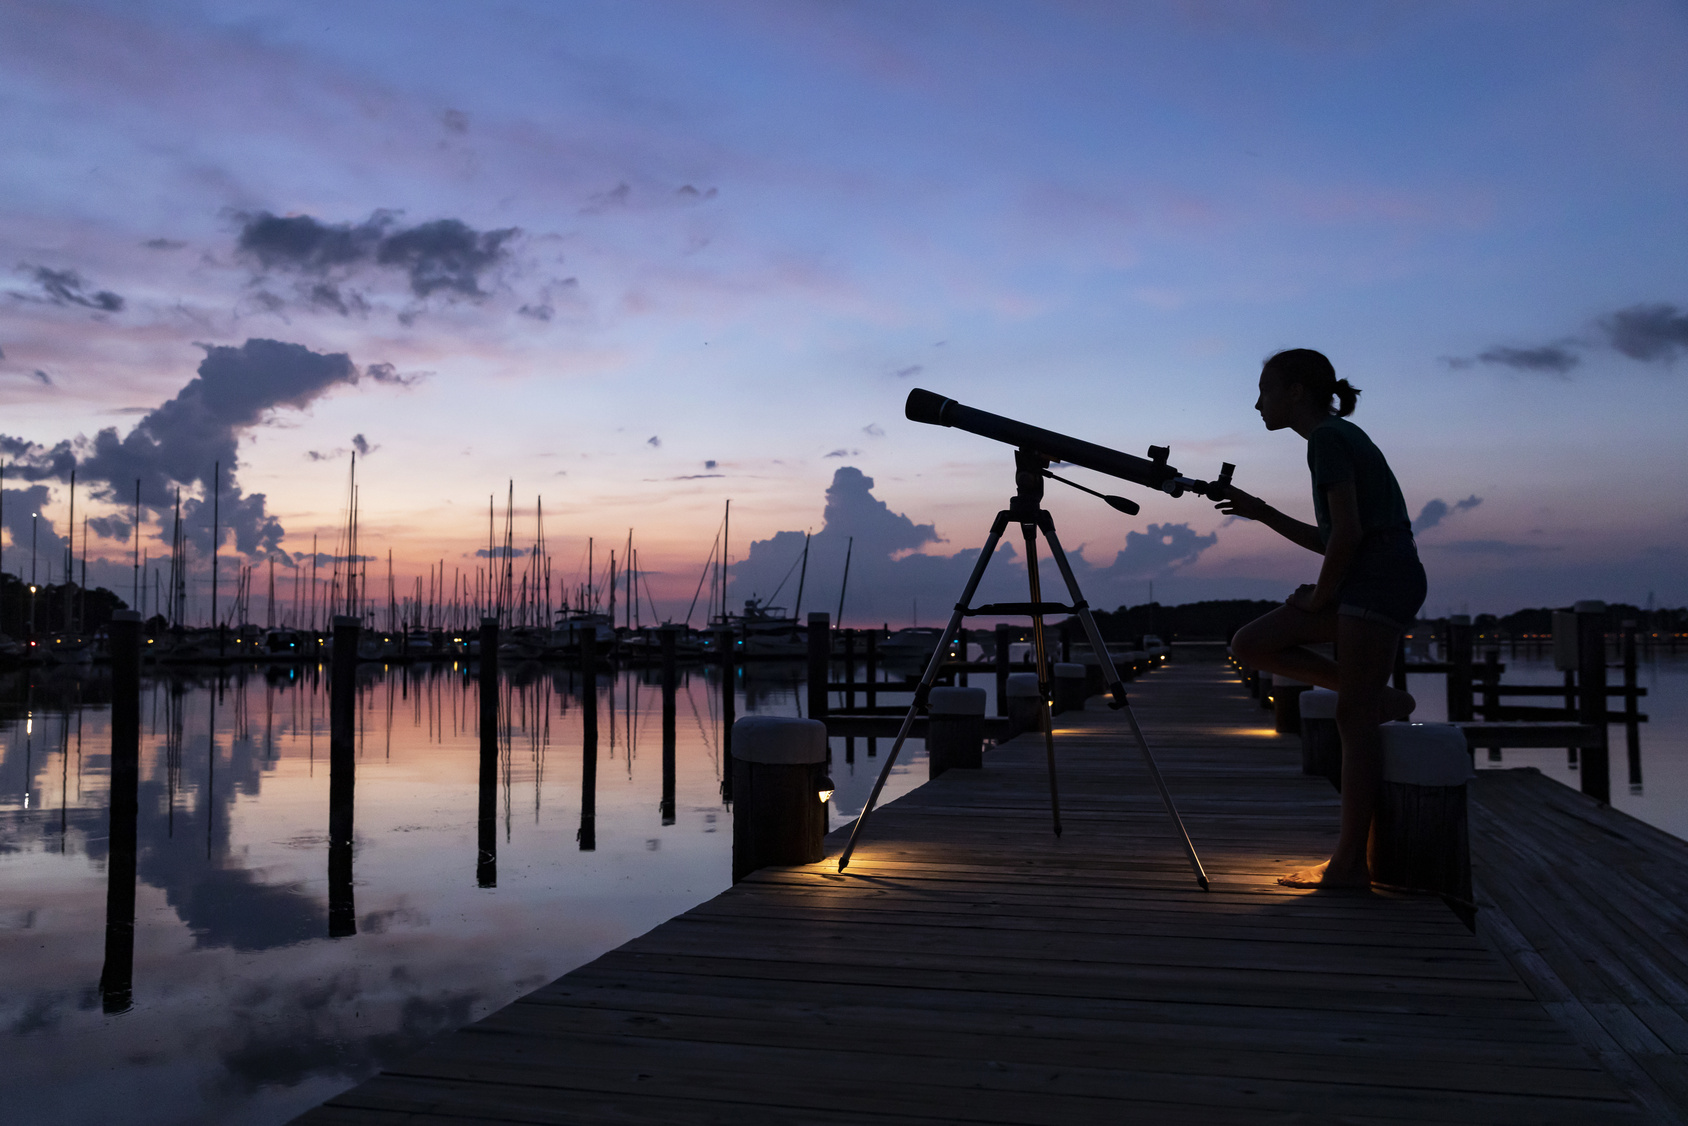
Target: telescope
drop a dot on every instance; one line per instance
(1152, 472)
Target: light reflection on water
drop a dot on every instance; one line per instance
(243, 1009)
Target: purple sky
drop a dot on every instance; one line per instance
(641, 258)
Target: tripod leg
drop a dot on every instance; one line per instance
(932, 667)
(1117, 690)
(1043, 672)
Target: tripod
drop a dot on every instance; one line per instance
(1026, 509)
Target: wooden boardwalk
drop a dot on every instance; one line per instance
(970, 967)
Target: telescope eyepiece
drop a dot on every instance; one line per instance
(925, 406)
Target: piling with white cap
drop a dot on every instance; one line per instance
(955, 729)
(1321, 745)
(1025, 702)
(780, 792)
(1069, 687)
(1286, 703)
(1420, 839)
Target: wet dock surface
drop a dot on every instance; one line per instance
(972, 967)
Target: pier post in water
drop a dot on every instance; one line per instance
(117, 976)
(486, 854)
(1002, 635)
(1632, 708)
(666, 640)
(820, 661)
(955, 730)
(780, 792)
(342, 776)
(1458, 660)
(1591, 696)
(588, 834)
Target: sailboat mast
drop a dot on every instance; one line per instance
(726, 554)
(848, 549)
(797, 610)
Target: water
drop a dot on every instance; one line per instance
(243, 1009)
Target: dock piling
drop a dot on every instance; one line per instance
(1591, 695)
(117, 974)
(342, 776)
(955, 730)
(820, 656)
(486, 857)
(781, 792)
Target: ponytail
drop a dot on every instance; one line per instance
(1317, 375)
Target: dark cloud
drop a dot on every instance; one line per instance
(66, 287)
(911, 370)
(691, 195)
(455, 120)
(43, 377)
(387, 373)
(844, 453)
(1648, 332)
(873, 430)
(1555, 358)
(163, 244)
(22, 505)
(111, 527)
(503, 552)
(654, 442)
(1651, 333)
(600, 202)
(441, 256)
(1434, 512)
(542, 312)
(361, 445)
(710, 464)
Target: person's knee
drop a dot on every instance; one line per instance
(1359, 707)
(1248, 645)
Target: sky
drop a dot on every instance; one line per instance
(631, 260)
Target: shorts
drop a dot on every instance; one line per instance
(1386, 582)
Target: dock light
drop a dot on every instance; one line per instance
(823, 789)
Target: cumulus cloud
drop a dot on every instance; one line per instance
(26, 515)
(441, 256)
(1435, 511)
(890, 573)
(66, 287)
(178, 444)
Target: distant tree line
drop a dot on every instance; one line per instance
(89, 610)
(1218, 620)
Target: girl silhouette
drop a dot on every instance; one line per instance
(1370, 588)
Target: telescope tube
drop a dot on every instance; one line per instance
(935, 410)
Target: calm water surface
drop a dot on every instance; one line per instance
(243, 1008)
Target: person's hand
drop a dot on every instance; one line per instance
(1238, 503)
(1306, 597)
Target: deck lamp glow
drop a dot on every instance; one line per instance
(823, 789)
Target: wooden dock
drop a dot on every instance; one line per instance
(971, 967)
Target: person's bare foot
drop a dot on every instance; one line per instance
(1323, 876)
(1397, 704)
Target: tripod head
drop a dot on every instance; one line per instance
(1153, 472)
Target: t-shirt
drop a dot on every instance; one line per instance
(1339, 451)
